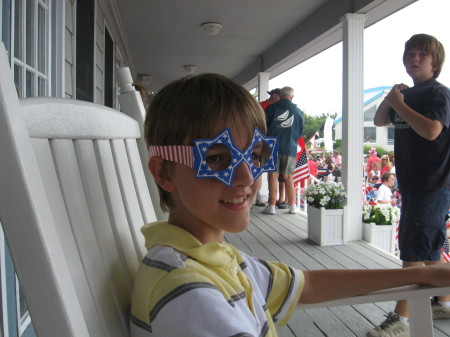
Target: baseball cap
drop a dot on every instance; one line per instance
(274, 91)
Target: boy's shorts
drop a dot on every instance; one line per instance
(285, 164)
(422, 229)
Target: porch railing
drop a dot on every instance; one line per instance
(421, 322)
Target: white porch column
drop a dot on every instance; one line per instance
(352, 121)
(263, 85)
(263, 88)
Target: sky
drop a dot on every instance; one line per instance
(318, 81)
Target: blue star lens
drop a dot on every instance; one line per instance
(218, 157)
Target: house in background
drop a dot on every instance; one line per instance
(374, 136)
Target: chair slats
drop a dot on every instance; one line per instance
(129, 195)
(81, 222)
(116, 209)
(116, 281)
(138, 177)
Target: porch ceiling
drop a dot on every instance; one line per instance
(161, 36)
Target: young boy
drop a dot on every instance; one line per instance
(384, 193)
(421, 117)
(207, 151)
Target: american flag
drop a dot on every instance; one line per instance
(445, 251)
(301, 172)
(445, 248)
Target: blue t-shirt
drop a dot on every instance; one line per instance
(422, 165)
(285, 121)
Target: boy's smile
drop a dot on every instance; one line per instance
(207, 207)
(419, 65)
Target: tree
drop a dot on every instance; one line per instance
(312, 125)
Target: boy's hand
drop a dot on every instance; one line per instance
(423, 126)
(400, 86)
(394, 97)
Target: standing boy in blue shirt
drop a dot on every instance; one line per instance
(421, 117)
(208, 149)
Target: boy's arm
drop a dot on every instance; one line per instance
(382, 117)
(425, 127)
(327, 285)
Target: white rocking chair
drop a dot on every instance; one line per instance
(73, 197)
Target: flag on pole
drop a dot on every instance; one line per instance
(312, 140)
(445, 251)
(445, 248)
(301, 172)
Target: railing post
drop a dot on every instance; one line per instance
(420, 317)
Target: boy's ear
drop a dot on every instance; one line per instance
(162, 173)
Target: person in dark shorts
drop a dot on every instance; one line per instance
(285, 121)
(421, 117)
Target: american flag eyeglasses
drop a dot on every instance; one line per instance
(218, 157)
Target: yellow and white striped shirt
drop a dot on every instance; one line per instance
(185, 288)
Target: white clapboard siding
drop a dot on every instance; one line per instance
(73, 197)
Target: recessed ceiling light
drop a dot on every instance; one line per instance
(190, 68)
(211, 28)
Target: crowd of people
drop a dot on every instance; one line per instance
(380, 183)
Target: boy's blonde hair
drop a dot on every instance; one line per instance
(429, 44)
(190, 108)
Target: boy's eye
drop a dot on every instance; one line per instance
(218, 157)
(261, 154)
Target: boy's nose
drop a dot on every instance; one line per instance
(242, 176)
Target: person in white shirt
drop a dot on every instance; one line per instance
(384, 194)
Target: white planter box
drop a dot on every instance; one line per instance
(326, 226)
(382, 237)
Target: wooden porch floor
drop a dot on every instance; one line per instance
(283, 237)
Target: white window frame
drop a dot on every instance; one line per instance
(389, 141)
(23, 321)
(37, 75)
(4, 304)
(118, 63)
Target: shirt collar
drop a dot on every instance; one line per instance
(161, 233)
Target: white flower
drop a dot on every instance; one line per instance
(326, 194)
(390, 215)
